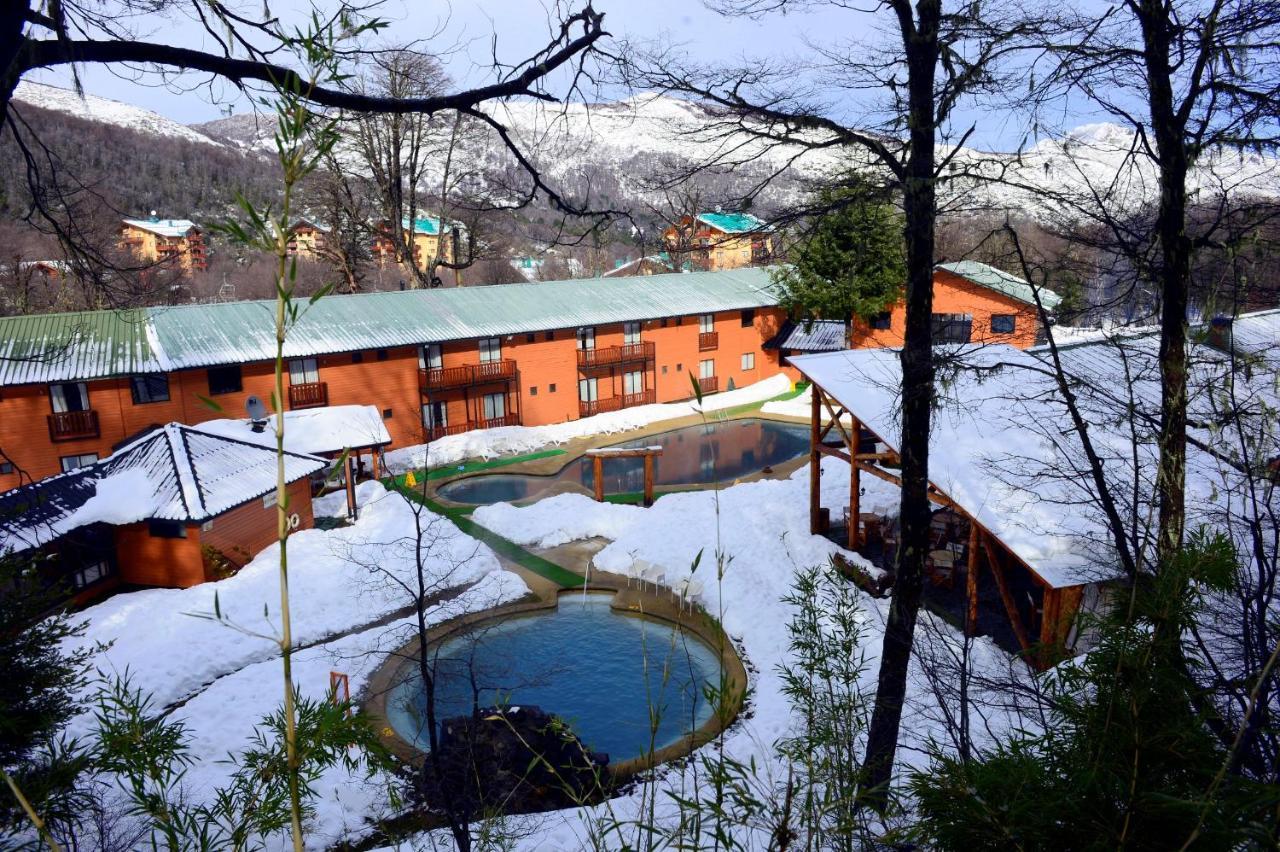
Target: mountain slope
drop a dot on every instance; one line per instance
(107, 111)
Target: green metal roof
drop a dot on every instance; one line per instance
(732, 223)
(423, 225)
(85, 344)
(1002, 282)
(161, 339)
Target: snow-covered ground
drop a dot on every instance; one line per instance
(512, 440)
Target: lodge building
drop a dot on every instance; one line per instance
(169, 241)
(74, 386)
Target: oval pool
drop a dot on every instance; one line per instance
(694, 455)
(598, 669)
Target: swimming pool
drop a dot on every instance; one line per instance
(598, 669)
(694, 455)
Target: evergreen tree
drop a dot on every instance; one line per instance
(852, 263)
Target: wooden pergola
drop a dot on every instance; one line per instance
(985, 550)
(598, 456)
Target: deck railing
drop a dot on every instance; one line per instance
(709, 384)
(611, 355)
(495, 422)
(588, 408)
(308, 395)
(70, 425)
(437, 432)
(439, 378)
(708, 340)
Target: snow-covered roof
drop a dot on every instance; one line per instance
(315, 431)
(426, 225)
(1003, 447)
(173, 473)
(1000, 281)
(624, 269)
(813, 336)
(163, 227)
(733, 223)
(98, 344)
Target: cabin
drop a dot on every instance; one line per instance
(173, 508)
(429, 238)
(650, 264)
(173, 242)
(719, 240)
(307, 239)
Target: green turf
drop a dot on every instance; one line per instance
(725, 413)
(461, 518)
(472, 466)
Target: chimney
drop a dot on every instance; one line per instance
(1219, 335)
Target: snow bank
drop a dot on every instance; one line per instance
(334, 504)
(160, 636)
(512, 440)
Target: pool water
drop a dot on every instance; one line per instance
(599, 670)
(695, 455)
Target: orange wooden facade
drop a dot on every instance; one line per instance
(538, 386)
(188, 251)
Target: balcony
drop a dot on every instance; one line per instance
(72, 425)
(708, 340)
(495, 422)
(613, 355)
(308, 395)
(440, 378)
(436, 432)
(709, 384)
(587, 408)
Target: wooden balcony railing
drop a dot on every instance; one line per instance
(616, 403)
(436, 432)
(708, 340)
(495, 422)
(611, 355)
(308, 395)
(439, 378)
(70, 425)
(709, 384)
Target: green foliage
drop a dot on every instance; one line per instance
(852, 263)
(1128, 757)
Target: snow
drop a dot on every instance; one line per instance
(322, 431)
(107, 111)
(513, 440)
(120, 498)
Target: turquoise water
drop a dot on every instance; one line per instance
(695, 455)
(599, 670)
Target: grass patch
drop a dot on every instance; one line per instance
(461, 517)
(800, 388)
(473, 466)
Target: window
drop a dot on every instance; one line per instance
(748, 317)
(86, 575)
(495, 406)
(630, 333)
(550, 336)
(430, 357)
(748, 360)
(587, 390)
(224, 380)
(530, 338)
(587, 338)
(679, 368)
(551, 388)
(707, 368)
(6, 467)
(304, 371)
(159, 528)
(533, 390)
(881, 321)
(386, 414)
(382, 355)
(490, 350)
(357, 357)
(706, 323)
(269, 499)
(664, 322)
(664, 369)
(70, 463)
(952, 328)
(1003, 323)
(69, 396)
(435, 415)
(149, 389)
(633, 382)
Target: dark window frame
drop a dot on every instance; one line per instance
(164, 528)
(144, 379)
(748, 318)
(882, 321)
(999, 322)
(224, 372)
(952, 328)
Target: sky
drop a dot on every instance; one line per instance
(462, 33)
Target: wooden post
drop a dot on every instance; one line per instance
(597, 471)
(855, 486)
(351, 487)
(373, 462)
(815, 462)
(648, 479)
(971, 582)
(1006, 597)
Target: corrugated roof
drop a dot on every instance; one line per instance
(732, 223)
(163, 227)
(81, 345)
(1002, 282)
(423, 225)
(64, 347)
(815, 336)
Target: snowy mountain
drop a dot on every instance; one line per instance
(106, 111)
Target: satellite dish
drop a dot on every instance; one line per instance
(258, 413)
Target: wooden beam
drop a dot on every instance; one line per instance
(1006, 597)
(597, 471)
(834, 452)
(971, 583)
(855, 485)
(648, 479)
(889, 456)
(624, 452)
(815, 460)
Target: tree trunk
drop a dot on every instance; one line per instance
(921, 43)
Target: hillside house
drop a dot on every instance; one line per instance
(432, 362)
(307, 239)
(716, 241)
(650, 264)
(175, 507)
(175, 242)
(428, 237)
